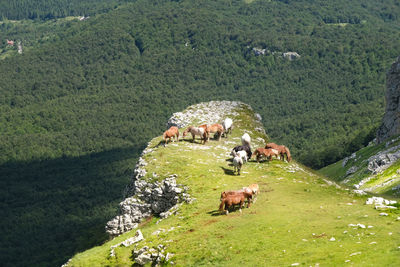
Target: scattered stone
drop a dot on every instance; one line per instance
(372, 243)
(351, 170)
(381, 203)
(332, 239)
(346, 159)
(383, 214)
(295, 264)
(130, 241)
(207, 112)
(359, 192)
(355, 253)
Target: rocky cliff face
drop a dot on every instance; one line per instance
(391, 119)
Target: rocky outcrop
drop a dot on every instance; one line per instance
(391, 120)
(144, 198)
(383, 160)
(291, 55)
(149, 198)
(208, 112)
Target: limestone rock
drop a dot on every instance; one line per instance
(391, 120)
(383, 159)
(291, 55)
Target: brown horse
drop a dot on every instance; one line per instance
(265, 152)
(255, 189)
(247, 193)
(231, 200)
(196, 131)
(171, 133)
(206, 128)
(218, 129)
(282, 150)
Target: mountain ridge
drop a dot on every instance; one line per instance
(196, 233)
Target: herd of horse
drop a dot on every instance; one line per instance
(241, 154)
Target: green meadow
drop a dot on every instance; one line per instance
(299, 217)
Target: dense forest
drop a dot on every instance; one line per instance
(50, 9)
(82, 100)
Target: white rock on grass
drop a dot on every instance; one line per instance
(383, 214)
(355, 253)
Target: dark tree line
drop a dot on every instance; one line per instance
(80, 103)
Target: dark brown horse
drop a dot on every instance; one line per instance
(282, 150)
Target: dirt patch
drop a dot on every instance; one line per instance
(146, 221)
(319, 236)
(210, 222)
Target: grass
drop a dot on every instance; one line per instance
(294, 219)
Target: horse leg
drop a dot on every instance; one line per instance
(248, 202)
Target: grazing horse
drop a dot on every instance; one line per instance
(254, 188)
(196, 131)
(228, 126)
(241, 153)
(282, 150)
(217, 128)
(237, 164)
(245, 148)
(246, 139)
(206, 128)
(230, 200)
(265, 152)
(247, 192)
(171, 133)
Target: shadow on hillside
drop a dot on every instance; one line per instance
(215, 213)
(52, 209)
(228, 171)
(196, 141)
(219, 213)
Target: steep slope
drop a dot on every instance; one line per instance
(376, 168)
(299, 218)
(373, 169)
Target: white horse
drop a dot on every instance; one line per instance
(196, 131)
(242, 154)
(246, 139)
(228, 126)
(237, 164)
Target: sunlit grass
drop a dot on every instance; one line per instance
(297, 218)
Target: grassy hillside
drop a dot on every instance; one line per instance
(84, 98)
(380, 183)
(297, 218)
